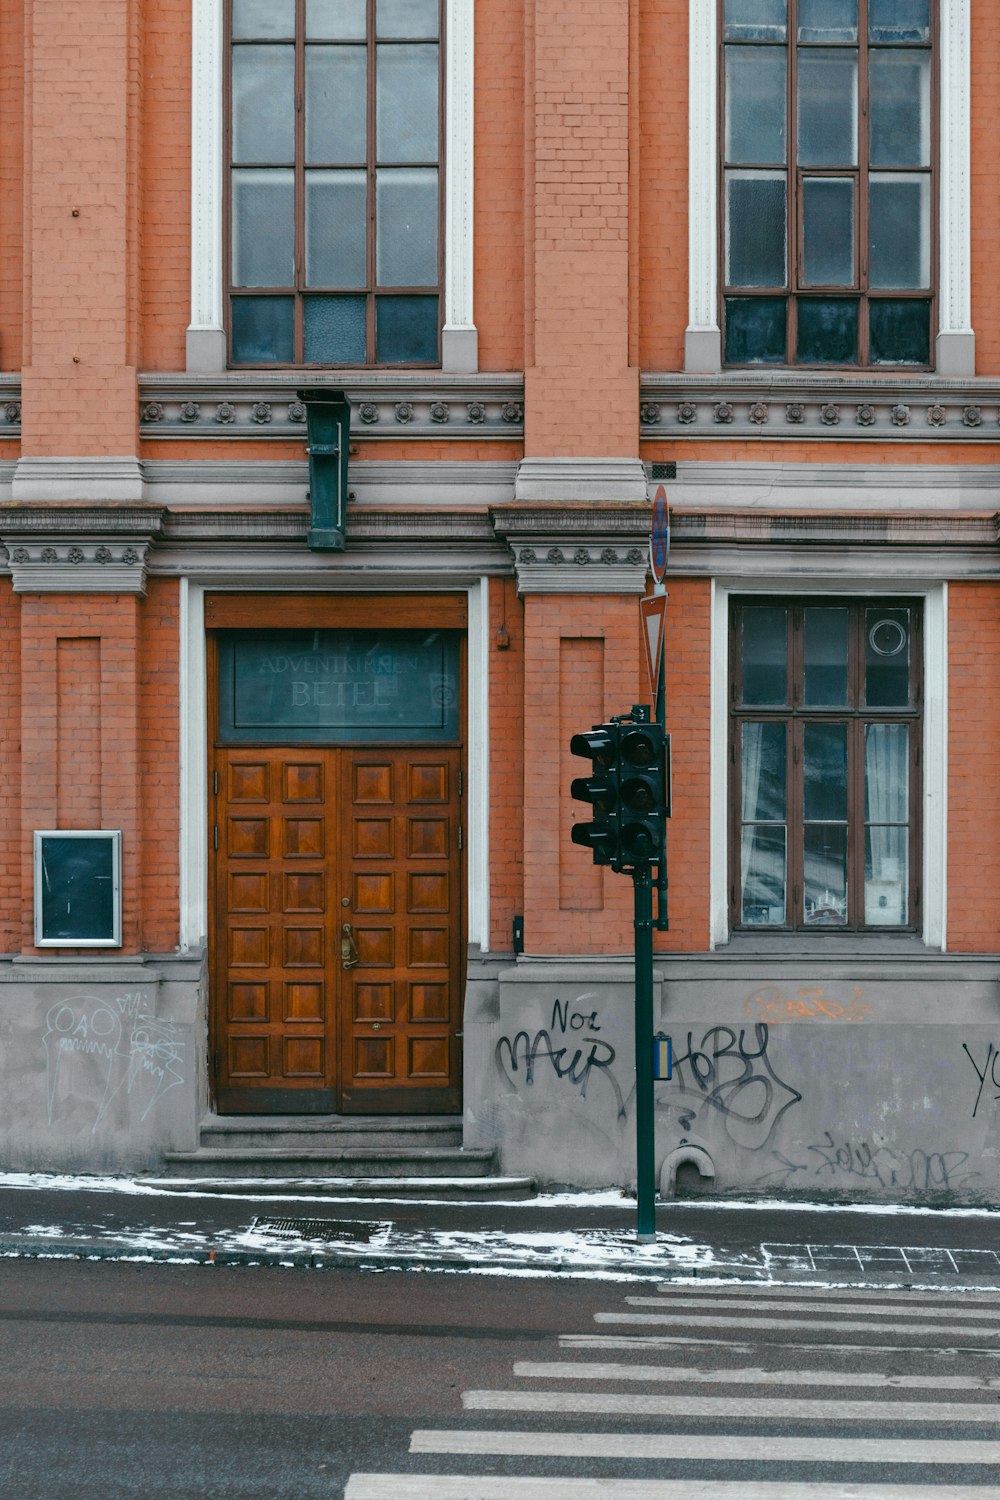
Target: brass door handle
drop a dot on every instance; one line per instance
(348, 948)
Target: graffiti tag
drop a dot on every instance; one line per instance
(571, 1047)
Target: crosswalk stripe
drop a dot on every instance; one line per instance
(743, 1346)
(979, 1315)
(685, 1446)
(497, 1487)
(589, 1403)
(738, 1320)
(749, 1291)
(572, 1370)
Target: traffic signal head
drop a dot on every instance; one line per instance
(642, 794)
(600, 788)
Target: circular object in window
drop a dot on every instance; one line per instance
(887, 637)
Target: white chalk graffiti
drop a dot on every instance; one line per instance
(96, 1050)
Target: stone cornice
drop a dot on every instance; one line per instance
(79, 549)
(796, 405)
(583, 548)
(384, 404)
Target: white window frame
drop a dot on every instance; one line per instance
(955, 344)
(206, 337)
(934, 803)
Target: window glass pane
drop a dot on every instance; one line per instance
(406, 17)
(899, 20)
(755, 330)
(263, 227)
(887, 773)
(406, 330)
(263, 330)
(335, 330)
(899, 333)
(900, 108)
(824, 869)
(899, 230)
(260, 19)
(336, 89)
(755, 20)
(887, 658)
(762, 761)
(828, 107)
(407, 103)
(755, 104)
(828, 231)
(407, 217)
(263, 104)
(887, 877)
(763, 863)
(336, 20)
(336, 221)
(828, 331)
(828, 20)
(824, 772)
(755, 229)
(825, 637)
(764, 654)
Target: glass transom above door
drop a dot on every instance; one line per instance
(332, 686)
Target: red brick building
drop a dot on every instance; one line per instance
(553, 256)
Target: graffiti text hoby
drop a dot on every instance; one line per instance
(737, 1080)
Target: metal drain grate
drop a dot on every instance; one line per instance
(319, 1229)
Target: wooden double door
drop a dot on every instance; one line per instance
(337, 933)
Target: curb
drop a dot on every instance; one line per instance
(327, 1258)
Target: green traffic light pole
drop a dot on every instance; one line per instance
(645, 1154)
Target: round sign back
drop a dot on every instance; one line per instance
(659, 536)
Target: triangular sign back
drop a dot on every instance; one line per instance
(652, 611)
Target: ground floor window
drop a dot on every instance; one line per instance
(825, 737)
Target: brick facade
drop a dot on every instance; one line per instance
(139, 482)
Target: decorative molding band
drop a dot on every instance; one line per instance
(577, 549)
(390, 406)
(79, 549)
(922, 410)
(10, 405)
(756, 528)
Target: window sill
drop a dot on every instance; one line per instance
(826, 944)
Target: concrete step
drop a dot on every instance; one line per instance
(437, 1189)
(373, 1162)
(329, 1132)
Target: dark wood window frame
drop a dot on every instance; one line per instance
(794, 714)
(795, 290)
(372, 291)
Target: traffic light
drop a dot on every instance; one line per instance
(642, 794)
(600, 789)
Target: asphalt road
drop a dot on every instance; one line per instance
(126, 1380)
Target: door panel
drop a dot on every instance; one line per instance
(276, 877)
(337, 931)
(402, 866)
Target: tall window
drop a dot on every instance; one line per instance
(334, 126)
(825, 737)
(828, 182)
